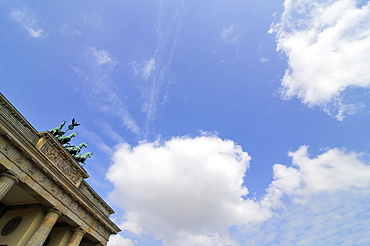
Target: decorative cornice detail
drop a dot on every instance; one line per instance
(57, 155)
(87, 217)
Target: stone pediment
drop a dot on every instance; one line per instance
(60, 158)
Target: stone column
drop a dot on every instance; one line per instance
(7, 181)
(40, 235)
(76, 238)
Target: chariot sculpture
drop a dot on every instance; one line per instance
(74, 151)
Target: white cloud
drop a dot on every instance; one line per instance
(331, 171)
(118, 240)
(184, 190)
(144, 69)
(156, 71)
(317, 201)
(93, 19)
(263, 59)
(213, 239)
(102, 57)
(149, 66)
(230, 35)
(97, 141)
(99, 89)
(327, 45)
(66, 29)
(187, 191)
(29, 22)
(334, 218)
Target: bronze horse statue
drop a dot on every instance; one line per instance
(66, 139)
(82, 158)
(57, 131)
(74, 150)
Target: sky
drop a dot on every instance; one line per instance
(239, 122)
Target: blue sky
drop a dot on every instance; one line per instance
(211, 122)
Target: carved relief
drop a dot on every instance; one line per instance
(32, 169)
(42, 179)
(39, 176)
(53, 188)
(106, 233)
(63, 196)
(49, 152)
(85, 216)
(92, 222)
(79, 209)
(7, 147)
(20, 159)
(95, 200)
(2, 140)
(60, 162)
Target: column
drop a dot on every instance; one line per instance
(7, 181)
(76, 238)
(40, 235)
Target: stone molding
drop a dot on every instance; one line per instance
(65, 200)
(12, 115)
(95, 198)
(60, 157)
(9, 175)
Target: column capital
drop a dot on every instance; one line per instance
(9, 175)
(77, 236)
(7, 181)
(78, 229)
(53, 210)
(40, 235)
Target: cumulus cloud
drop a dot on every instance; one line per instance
(334, 218)
(29, 22)
(326, 44)
(334, 170)
(188, 191)
(118, 240)
(320, 201)
(184, 190)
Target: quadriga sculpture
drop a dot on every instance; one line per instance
(66, 139)
(57, 131)
(74, 150)
(82, 158)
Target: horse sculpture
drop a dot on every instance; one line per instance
(74, 150)
(66, 139)
(57, 131)
(82, 158)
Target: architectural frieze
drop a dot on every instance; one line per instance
(86, 217)
(58, 156)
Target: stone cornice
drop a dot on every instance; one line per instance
(59, 156)
(62, 195)
(39, 161)
(95, 197)
(12, 115)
